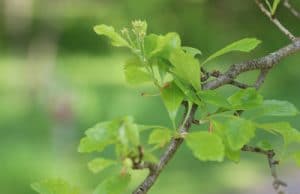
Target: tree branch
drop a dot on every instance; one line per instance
(168, 154)
(265, 62)
(277, 183)
(275, 21)
(287, 4)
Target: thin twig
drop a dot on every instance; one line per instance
(277, 183)
(265, 62)
(168, 154)
(275, 21)
(287, 4)
(261, 78)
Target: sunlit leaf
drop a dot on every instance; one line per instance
(243, 45)
(192, 51)
(239, 132)
(160, 137)
(276, 108)
(99, 164)
(114, 185)
(214, 98)
(186, 67)
(172, 98)
(219, 128)
(245, 99)
(109, 31)
(289, 134)
(206, 146)
(161, 45)
(128, 132)
(135, 73)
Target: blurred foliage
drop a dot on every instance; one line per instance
(57, 78)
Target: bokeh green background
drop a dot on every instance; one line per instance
(58, 78)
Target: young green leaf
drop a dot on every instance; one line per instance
(99, 164)
(265, 145)
(109, 31)
(186, 67)
(238, 132)
(135, 73)
(172, 98)
(191, 50)
(244, 45)
(275, 108)
(220, 130)
(289, 134)
(214, 98)
(114, 185)
(269, 5)
(161, 45)
(274, 6)
(206, 146)
(245, 99)
(97, 138)
(160, 137)
(88, 144)
(54, 186)
(128, 132)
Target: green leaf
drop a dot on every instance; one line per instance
(187, 90)
(160, 137)
(265, 145)
(238, 132)
(128, 132)
(206, 146)
(135, 73)
(88, 144)
(289, 134)
(109, 31)
(54, 186)
(99, 164)
(186, 67)
(244, 45)
(163, 46)
(172, 98)
(121, 130)
(274, 6)
(245, 99)
(269, 5)
(97, 138)
(192, 51)
(114, 185)
(214, 98)
(219, 129)
(148, 156)
(276, 108)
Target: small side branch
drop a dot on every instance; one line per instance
(261, 78)
(175, 143)
(287, 4)
(275, 21)
(277, 183)
(266, 62)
